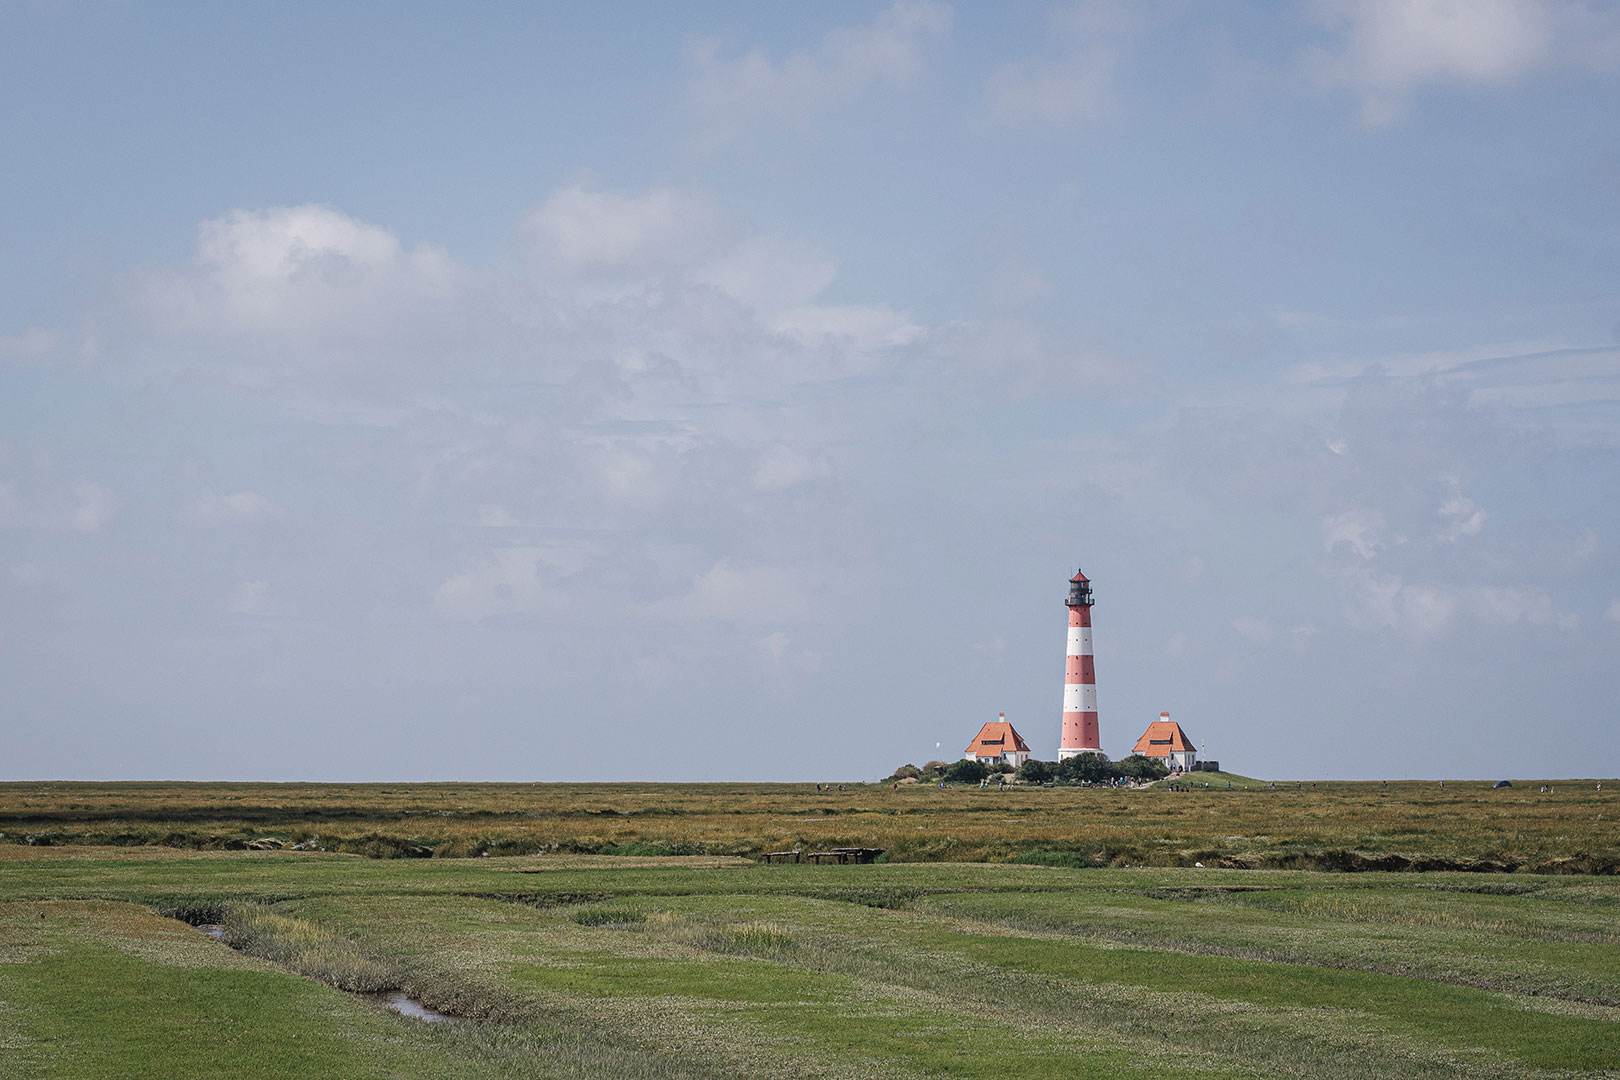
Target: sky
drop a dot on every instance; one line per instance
(713, 391)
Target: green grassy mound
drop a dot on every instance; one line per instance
(1219, 781)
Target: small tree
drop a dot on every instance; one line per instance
(966, 771)
(1035, 772)
(1141, 767)
(1085, 768)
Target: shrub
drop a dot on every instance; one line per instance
(1140, 767)
(1035, 772)
(906, 772)
(966, 771)
(1085, 768)
(936, 767)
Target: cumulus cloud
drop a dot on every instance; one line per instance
(730, 94)
(290, 271)
(1362, 531)
(44, 504)
(605, 246)
(577, 231)
(1425, 610)
(1074, 77)
(630, 300)
(779, 652)
(1461, 516)
(516, 580)
(782, 467)
(236, 508)
(748, 594)
(1391, 48)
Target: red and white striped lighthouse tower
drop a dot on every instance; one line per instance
(1080, 682)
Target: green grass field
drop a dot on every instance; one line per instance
(600, 966)
(1049, 957)
(1333, 826)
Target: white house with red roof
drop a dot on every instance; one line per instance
(1165, 739)
(998, 741)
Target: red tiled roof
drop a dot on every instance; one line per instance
(1161, 737)
(996, 738)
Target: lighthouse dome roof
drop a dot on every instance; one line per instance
(1079, 576)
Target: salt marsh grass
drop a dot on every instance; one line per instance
(1410, 825)
(638, 966)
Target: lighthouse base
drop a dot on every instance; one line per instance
(1082, 750)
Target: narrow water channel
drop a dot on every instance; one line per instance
(406, 1006)
(397, 1000)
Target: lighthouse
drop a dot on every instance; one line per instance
(1080, 680)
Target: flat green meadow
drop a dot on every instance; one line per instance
(631, 930)
(700, 966)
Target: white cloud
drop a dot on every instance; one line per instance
(1361, 530)
(41, 503)
(778, 651)
(1299, 637)
(1253, 628)
(730, 94)
(515, 580)
(746, 594)
(770, 275)
(33, 345)
(1390, 48)
(863, 328)
(237, 508)
(290, 270)
(577, 231)
(648, 297)
(1462, 517)
(1074, 78)
(782, 467)
(1422, 611)
(92, 508)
